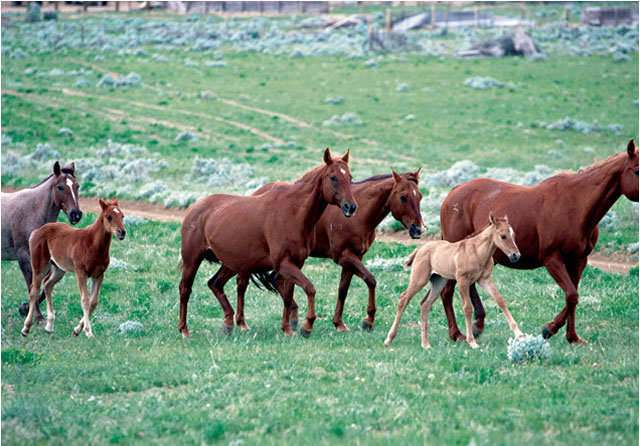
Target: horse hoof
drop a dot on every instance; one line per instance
(578, 341)
(476, 332)
(288, 333)
(23, 309)
(294, 324)
(545, 332)
(75, 333)
(304, 333)
(243, 327)
(366, 327)
(49, 332)
(387, 343)
(342, 328)
(227, 330)
(24, 335)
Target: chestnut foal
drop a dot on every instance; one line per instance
(467, 261)
(83, 251)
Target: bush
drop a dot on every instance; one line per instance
(33, 13)
(50, 15)
(483, 83)
(528, 348)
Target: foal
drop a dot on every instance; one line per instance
(83, 251)
(467, 261)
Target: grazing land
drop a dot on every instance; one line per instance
(265, 114)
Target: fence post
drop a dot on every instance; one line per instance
(85, 6)
(388, 21)
(433, 15)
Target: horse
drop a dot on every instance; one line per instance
(467, 261)
(556, 222)
(346, 241)
(83, 251)
(29, 209)
(257, 234)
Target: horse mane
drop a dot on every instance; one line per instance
(595, 166)
(408, 175)
(62, 170)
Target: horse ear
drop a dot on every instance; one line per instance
(56, 168)
(345, 158)
(506, 219)
(70, 167)
(115, 201)
(631, 148)
(492, 219)
(327, 156)
(103, 205)
(396, 177)
(417, 173)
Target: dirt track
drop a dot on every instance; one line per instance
(616, 264)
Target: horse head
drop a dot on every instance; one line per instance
(112, 218)
(504, 237)
(629, 179)
(404, 202)
(65, 191)
(336, 184)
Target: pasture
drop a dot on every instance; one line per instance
(265, 116)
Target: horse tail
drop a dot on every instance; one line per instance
(409, 261)
(267, 279)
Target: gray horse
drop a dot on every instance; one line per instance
(27, 210)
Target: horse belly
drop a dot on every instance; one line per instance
(65, 263)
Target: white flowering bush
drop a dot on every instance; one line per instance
(382, 264)
(528, 348)
(131, 327)
(483, 83)
(347, 119)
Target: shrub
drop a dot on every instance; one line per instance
(483, 83)
(528, 349)
(65, 132)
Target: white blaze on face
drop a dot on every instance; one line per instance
(344, 172)
(70, 184)
(415, 193)
(513, 234)
(116, 210)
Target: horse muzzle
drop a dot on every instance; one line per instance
(514, 257)
(121, 234)
(348, 209)
(415, 231)
(75, 216)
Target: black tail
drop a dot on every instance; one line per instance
(267, 279)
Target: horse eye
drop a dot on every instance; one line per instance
(503, 237)
(334, 179)
(109, 218)
(635, 172)
(403, 198)
(60, 188)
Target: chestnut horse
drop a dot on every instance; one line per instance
(467, 261)
(83, 251)
(257, 234)
(556, 222)
(27, 210)
(346, 241)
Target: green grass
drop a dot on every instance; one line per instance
(262, 388)
(257, 386)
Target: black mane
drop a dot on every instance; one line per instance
(62, 170)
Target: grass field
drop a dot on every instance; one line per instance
(265, 115)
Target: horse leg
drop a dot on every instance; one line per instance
(242, 282)
(354, 264)
(480, 314)
(34, 293)
(447, 301)
(557, 270)
(24, 262)
(216, 284)
(343, 289)
(575, 270)
(96, 283)
(490, 287)
(463, 288)
(285, 288)
(437, 285)
(85, 301)
(190, 265)
(416, 283)
(292, 273)
(50, 280)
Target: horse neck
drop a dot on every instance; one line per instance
(313, 201)
(598, 190)
(484, 245)
(373, 201)
(100, 237)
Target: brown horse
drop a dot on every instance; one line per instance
(346, 241)
(467, 261)
(556, 222)
(83, 251)
(257, 234)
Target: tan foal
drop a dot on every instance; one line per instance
(467, 261)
